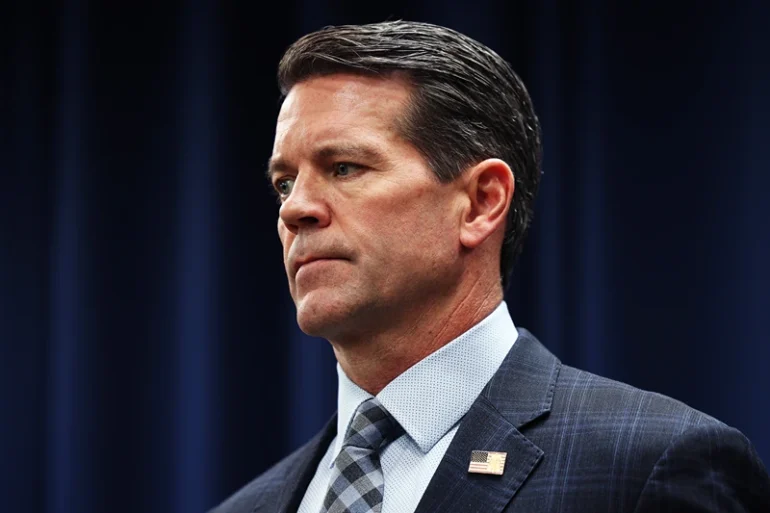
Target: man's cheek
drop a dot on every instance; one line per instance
(285, 237)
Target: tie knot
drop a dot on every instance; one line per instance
(372, 427)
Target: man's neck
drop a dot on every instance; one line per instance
(386, 355)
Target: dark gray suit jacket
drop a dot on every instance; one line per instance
(576, 442)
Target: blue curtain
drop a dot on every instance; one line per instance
(149, 356)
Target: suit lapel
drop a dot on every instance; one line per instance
(520, 392)
(300, 475)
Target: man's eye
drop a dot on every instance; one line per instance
(344, 168)
(284, 186)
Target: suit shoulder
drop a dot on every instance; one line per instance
(269, 482)
(626, 440)
(578, 390)
(712, 465)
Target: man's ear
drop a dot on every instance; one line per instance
(489, 186)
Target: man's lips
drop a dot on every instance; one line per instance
(309, 260)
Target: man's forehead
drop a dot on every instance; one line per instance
(344, 96)
(344, 108)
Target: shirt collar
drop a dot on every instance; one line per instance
(431, 396)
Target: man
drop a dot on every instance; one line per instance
(406, 160)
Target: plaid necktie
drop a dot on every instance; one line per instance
(357, 484)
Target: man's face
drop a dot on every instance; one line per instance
(369, 234)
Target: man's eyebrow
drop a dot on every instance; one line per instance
(368, 154)
(275, 166)
(352, 151)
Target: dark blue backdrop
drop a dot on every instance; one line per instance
(149, 358)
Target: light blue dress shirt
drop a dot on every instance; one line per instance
(429, 400)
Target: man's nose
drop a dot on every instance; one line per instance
(306, 204)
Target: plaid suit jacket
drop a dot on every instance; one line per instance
(576, 442)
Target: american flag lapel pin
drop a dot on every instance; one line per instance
(487, 462)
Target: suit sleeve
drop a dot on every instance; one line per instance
(709, 468)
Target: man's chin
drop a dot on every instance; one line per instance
(319, 326)
(321, 317)
(318, 318)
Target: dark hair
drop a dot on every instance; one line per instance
(467, 104)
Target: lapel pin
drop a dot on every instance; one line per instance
(486, 462)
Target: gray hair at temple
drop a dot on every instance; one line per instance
(467, 103)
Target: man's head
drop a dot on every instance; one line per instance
(392, 139)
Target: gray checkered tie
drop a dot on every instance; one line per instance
(357, 485)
